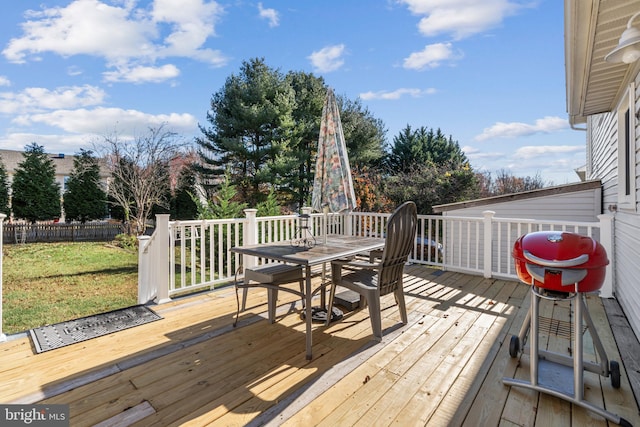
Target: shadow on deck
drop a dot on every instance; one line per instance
(445, 367)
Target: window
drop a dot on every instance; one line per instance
(627, 151)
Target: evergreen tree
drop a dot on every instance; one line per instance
(265, 128)
(270, 207)
(35, 192)
(4, 189)
(428, 168)
(182, 205)
(250, 131)
(310, 92)
(423, 145)
(84, 198)
(222, 205)
(364, 135)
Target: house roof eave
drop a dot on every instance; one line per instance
(548, 191)
(592, 30)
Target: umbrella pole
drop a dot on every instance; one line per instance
(324, 265)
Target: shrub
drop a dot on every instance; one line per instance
(126, 241)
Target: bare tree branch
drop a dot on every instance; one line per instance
(139, 170)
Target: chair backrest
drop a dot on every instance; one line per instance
(400, 238)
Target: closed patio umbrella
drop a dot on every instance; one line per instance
(332, 182)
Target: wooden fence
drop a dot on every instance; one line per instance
(32, 233)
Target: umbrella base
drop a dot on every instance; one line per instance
(319, 314)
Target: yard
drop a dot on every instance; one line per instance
(45, 283)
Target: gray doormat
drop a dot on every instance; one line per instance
(50, 337)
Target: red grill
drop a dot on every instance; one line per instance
(561, 267)
(557, 261)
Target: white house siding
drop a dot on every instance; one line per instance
(603, 138)
(574, 206)
(627, 274)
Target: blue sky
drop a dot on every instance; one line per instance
(489, 73)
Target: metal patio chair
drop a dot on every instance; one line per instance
(272, 277)
(381, 276)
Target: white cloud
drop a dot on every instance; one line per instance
(517, 129)
(431, 56)
(99, 121)
(397, 94)
(74, 70)
(122, 35)
(4, 81)
(460, 18)
(52, 143)
(192, 23)
(548, 151)
(82, 27)
(475, 154)
(328, 58)
(271, 15)
(143, 74)
(38, 99)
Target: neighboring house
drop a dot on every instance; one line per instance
(602, 100)
(63, 164)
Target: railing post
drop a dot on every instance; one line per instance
(488, 240)
(3, 337)
(144, 281)
(348, 224)
(606, 239)
(161, 258)
(250, 235)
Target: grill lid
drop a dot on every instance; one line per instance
(555, 260)
(560, 250)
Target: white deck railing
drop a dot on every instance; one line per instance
(188, 256)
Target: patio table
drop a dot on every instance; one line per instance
(335, 247)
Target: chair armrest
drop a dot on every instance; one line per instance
(356, 263)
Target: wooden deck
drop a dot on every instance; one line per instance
(444, 368)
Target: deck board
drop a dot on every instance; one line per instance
(445, 367)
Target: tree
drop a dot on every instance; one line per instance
(310, 92)
(182, 205)
(507, 183)
(428, 168)
(270, 207)
(4, 189)
(368, 186)
(84, 199)
(364, 135)
(265, 128)
(139, 170)
(423, 145)
(250, 133)
(35, 192)
(429, 184)
(222, 205)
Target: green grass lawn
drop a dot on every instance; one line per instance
(45, 283)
